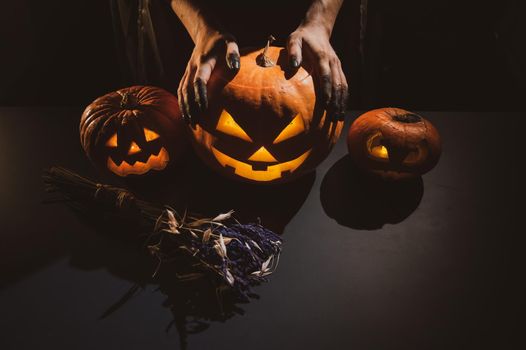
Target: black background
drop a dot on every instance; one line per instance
(426, 55)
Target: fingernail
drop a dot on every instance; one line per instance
(294, 63)
(235, 63)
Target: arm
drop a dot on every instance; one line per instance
(311, 41)
(211, 43)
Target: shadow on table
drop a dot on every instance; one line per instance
(194, 304)
(199, 190)
(362, 202)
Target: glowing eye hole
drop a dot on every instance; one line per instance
(295, 127)
(150, 135)
(380, 152)
(375, 148)
(228, 125)
(134, 148)
(112, 141)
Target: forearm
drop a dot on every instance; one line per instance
(322, 14)
(195, 18)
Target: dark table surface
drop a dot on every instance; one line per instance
(434, 264)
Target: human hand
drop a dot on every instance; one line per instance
(209, 48)
(310, 44)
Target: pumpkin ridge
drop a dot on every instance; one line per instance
(93, 126)
(264, 87)
(115, 119)
(164, 114)
(96, 114)
(150, 97)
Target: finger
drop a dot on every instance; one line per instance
(200, 94)
(232, 55)
(180, 98)
(187, 98)
(345, 92)
(336, 91)
(294, 51)
(324, 72)
(202, 75)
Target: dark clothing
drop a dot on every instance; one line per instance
(162, 61)
(251, 22)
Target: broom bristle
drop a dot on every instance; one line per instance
(241, 255)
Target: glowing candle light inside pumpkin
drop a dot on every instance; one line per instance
(134, 148)
(375, 147)
(112, 141)
(228, 125)
(380, 152)
(150, 135)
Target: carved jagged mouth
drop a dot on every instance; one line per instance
(261, 172)
(155, 161)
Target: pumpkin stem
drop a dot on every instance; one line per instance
(128, 100)
(263, 60)
(408, 118)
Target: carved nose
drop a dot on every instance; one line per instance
(134, 148)
(262, 155)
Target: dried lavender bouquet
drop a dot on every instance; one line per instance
(240, 255)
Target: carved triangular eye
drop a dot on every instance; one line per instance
(112, 141)
(295, 127)
(228, 125)
(150, 135)
(134, 148)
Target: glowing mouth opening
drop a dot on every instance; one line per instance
(269, 173)
(155, 161)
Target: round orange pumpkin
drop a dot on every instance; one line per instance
(393, 143)
(133, 131)
(263, 124)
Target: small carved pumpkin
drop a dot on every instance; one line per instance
(393, 143)
(133, 131)
(263, 124)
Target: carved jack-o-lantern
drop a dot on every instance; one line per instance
(263, 124)
(133, 131)
(393, 143)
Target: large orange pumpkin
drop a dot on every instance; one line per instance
(263, 124)
(393, 143)
(133, 131)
